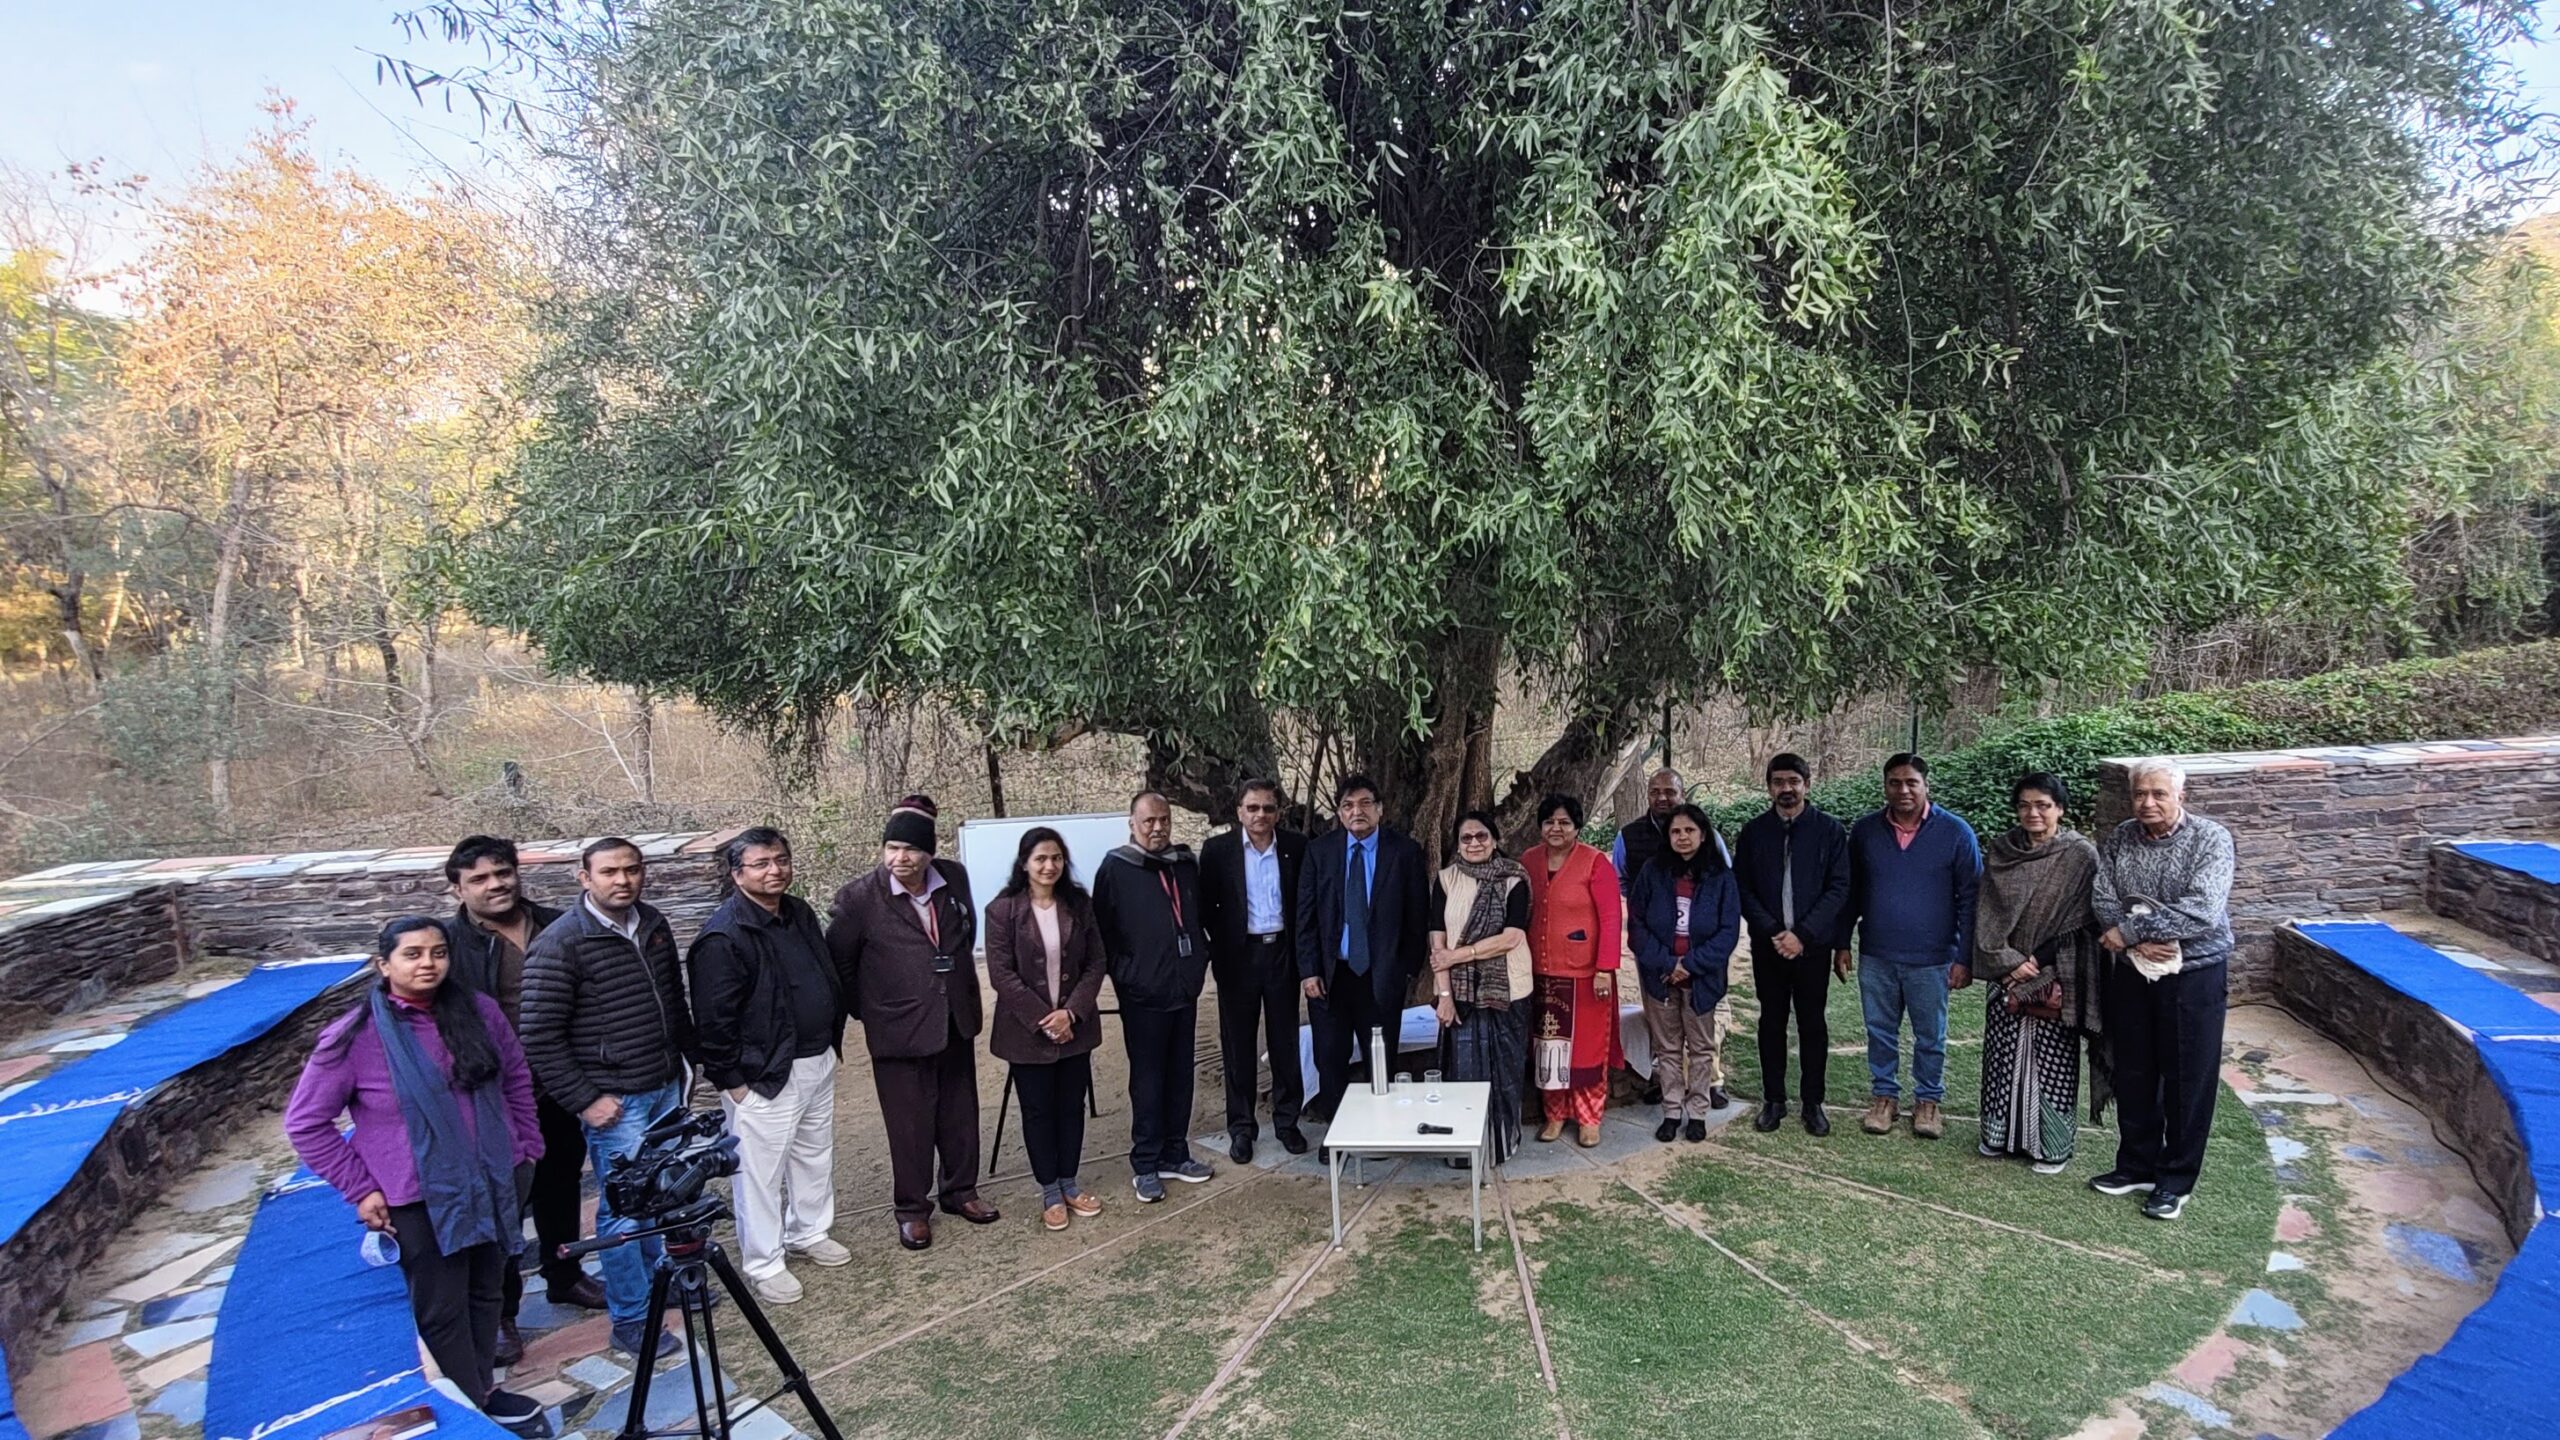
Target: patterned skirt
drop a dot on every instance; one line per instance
(2030, 1084)
(1491, 1042)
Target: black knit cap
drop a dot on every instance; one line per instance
(909, 827)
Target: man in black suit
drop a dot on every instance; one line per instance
(1361, 898)
(1249, 885)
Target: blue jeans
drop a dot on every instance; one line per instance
(627, 1267)
(1888, 990)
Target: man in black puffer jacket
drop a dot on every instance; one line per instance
(769, 1025)
(606, 1032)
(1146, 901)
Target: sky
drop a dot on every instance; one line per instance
(160, 88)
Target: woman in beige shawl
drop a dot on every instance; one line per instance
(2034, 943)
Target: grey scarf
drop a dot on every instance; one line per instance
(1485, 982)
(2030, 894)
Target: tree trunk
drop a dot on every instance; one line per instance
(217, 637)
(644, 746)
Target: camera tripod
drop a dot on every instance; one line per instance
(684, 1273)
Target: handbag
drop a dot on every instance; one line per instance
(2041, 999)
(1555, 1062)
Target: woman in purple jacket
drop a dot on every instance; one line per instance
(444, 1134)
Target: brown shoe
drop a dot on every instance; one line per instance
(1881, 1113)
(915, 1234)
(1586, 1136)
(1084, 1204)
(1926, 1124)
(973, 1210)
(1551, 1131)
(510, 1344)
(1055, 1216)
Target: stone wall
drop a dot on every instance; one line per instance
(2514, 907)
(153, 1142)
(71, 952)
(74, 934)
(2345, 831)
(2422, 1054)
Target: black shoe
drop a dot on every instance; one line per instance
(510, 1345)
(1816, 1124)
(1667, 1130)
(509, 1408)
(2164, 1205)
(2116, 1182)
(582, 1292)
(1293, 1140)
(1716, 1098)
(1694, 1131)
(1653, 1094)
(1240, 1149)
(1772, 1115)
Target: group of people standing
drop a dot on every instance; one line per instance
(504, 1047)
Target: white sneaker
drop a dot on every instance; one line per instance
(2050, 1167)
(824, 1251)
(779, 1288)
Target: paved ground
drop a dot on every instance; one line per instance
(1752, 1285)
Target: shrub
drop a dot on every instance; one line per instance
(2508, 691)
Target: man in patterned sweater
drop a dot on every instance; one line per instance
(2163, 892)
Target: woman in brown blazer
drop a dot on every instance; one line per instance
(1044, 962)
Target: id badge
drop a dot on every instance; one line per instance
(943, 964)
(1182, 943)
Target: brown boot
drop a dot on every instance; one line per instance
(1586, 1136)
(1881, 1113)
(1925, 1121)
(1550, 1131)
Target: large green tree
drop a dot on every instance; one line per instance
(1186, 367)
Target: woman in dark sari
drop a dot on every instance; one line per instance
(1480, 973)
(2035, 942)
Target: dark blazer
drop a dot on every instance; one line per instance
(886, 964)
(1399, 918)
(1820, 857)
(1653, 923)
(744, 1033)
(1018, 971)
(1222, 901)
(599, 1018)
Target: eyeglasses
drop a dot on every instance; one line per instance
(767, 865)
(1262, 809)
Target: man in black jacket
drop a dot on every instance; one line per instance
(1248, 891)
(1361, 897)
(491, 929)
(768, 1025)
(606, 1032)
(1791, 864)
(1146, 902)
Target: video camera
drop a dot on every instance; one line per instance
(679, 1154)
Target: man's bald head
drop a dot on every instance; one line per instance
(1663, 793)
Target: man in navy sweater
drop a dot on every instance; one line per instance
(1913, 870)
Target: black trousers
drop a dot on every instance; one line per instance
(1258, 1008)
(1348, 1010)
(1801, 985)
(455, 1299)
(555, 1202)
(1162, 1047)
(2166, 1039)
(929, 1105)
(1052, 1097)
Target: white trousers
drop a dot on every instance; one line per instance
(785, 1188)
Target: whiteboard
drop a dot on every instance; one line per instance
(987, 846)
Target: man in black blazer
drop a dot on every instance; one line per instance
(1249, 892)
(1361, 934)
(1791, 867)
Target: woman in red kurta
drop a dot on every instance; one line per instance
(1574, 915)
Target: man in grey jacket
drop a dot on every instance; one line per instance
(2163, 892)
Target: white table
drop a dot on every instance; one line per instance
(1373, 1124)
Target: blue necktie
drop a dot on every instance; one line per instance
(1355, 912)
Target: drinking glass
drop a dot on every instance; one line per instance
(1431, 1087)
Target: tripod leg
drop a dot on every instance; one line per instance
(794, 1378)
(696, 1300)
(635, 1423)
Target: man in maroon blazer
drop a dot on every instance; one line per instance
(901, 937)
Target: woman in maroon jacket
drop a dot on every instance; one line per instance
(1045, 963)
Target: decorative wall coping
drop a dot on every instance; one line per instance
(70, 889)
(2330, 757)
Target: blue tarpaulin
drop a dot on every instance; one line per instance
(2540, 861)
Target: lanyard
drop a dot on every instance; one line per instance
(1172, 895)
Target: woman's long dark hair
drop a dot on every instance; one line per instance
(1019, 882)
(456, 1010)
(1707, 863)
